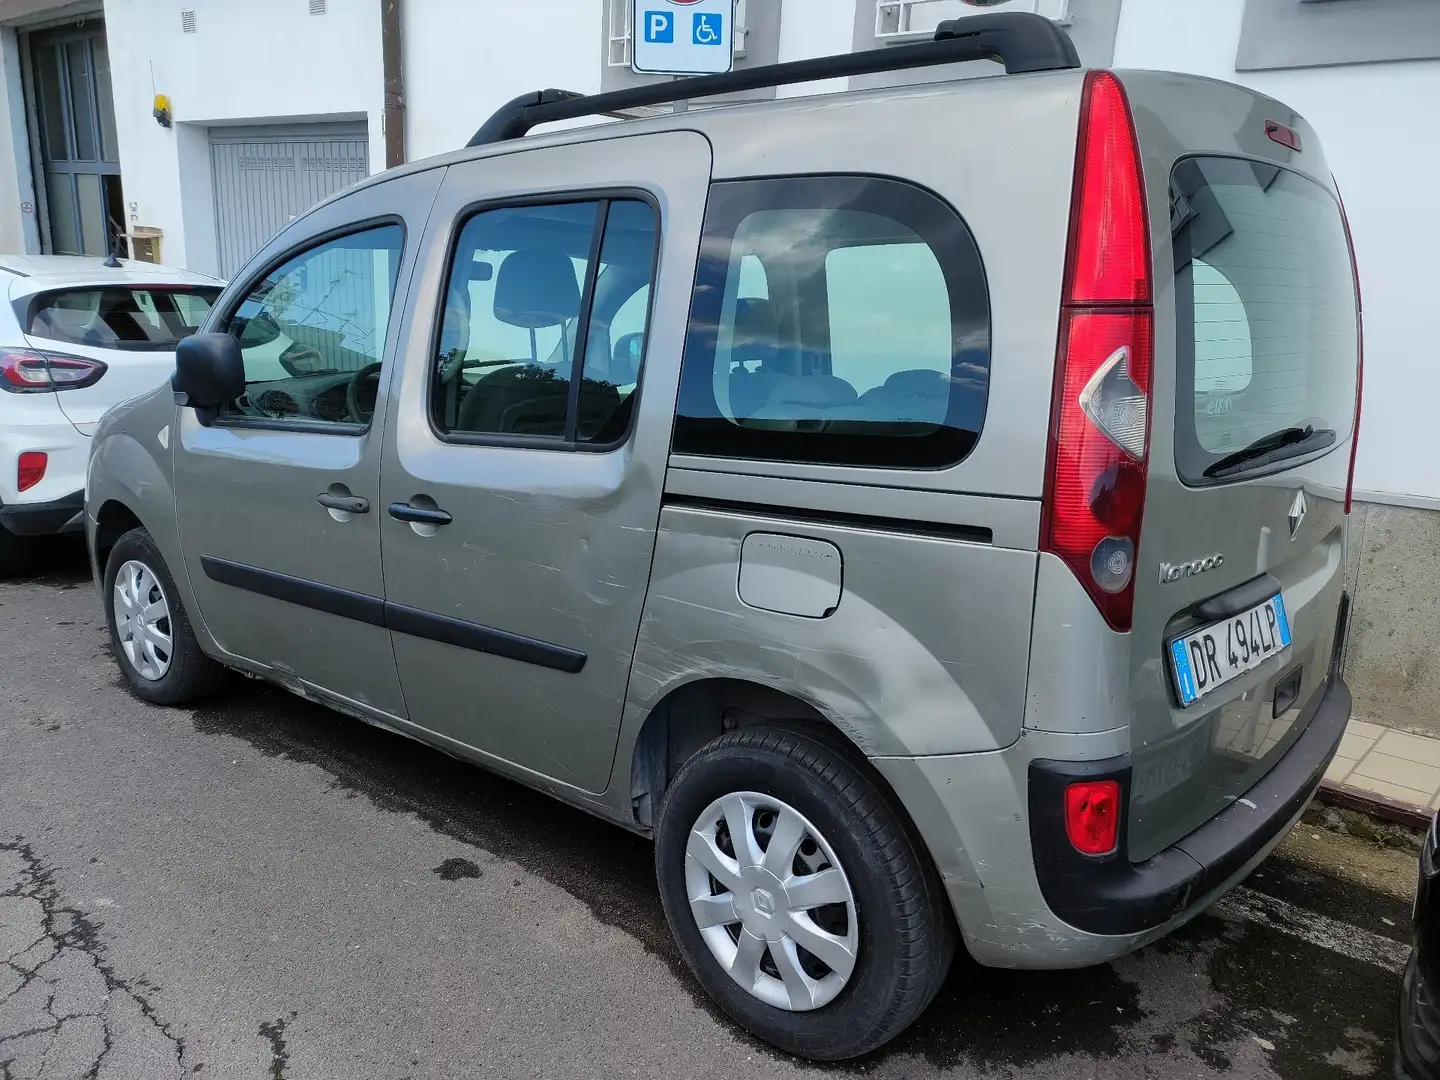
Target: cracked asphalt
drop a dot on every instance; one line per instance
(264, 889)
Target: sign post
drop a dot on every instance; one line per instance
(682, 37)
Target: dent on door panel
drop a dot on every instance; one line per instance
(925, 653)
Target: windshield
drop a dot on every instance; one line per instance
(1266, 321)
(120, 316)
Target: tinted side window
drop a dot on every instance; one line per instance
(837, 320)
(530, 288)
(312, 332)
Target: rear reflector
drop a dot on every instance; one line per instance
(1092, 816)
(1359, 350)
(24, 371)
(1283, 135)
(1100, 424)
(31, 469)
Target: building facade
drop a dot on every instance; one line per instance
(269, 105)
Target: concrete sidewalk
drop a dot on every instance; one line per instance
(1396, 766)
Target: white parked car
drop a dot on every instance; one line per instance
(76, 338)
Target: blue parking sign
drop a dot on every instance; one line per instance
(659, 27)
(709, 28)
(681, 37)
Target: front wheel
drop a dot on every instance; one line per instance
(150, 633)
(797, 895)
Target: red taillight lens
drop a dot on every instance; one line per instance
(23, 371)
(1100, 427)
(1359, 351)
(31, 469)
(1109, 239)
(1092, 816)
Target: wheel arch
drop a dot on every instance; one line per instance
(690, 715)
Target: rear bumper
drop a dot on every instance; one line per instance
(63, 515)
(1111, 895)
(973, 813)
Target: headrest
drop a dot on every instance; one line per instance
(536, 288)
(918, 381)
(756, 322)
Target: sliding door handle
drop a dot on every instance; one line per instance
(419, 515)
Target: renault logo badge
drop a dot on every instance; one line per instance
(1297, 513)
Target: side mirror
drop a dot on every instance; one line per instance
(209, 372)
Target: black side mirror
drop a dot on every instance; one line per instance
(209, 372)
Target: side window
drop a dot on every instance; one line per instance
(312, 332)
(836, 320)
(526, 295)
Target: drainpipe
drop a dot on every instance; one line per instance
(392, 54)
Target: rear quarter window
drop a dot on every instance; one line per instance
(123, 317)
(1266, 317)
(836, 320)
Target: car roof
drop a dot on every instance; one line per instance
(35, 273)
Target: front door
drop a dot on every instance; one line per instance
(522, 477)
(279, 500)
(79, 154)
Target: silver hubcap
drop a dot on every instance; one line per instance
(142, 621)
(772, 901)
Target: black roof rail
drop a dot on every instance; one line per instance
(1020, 40)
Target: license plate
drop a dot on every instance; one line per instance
(1206, 659)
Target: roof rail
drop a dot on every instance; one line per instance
(1022, 41)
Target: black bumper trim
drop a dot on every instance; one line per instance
(42, 519)
(1110, 895)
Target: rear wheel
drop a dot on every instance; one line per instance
(797, 895)
(149, 630)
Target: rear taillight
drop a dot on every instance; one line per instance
(1100, 423)
(1092, 816)
(1359, 351)
(25, 371)
(31, 469)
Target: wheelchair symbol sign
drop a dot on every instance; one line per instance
(707, 28)
(682, 37)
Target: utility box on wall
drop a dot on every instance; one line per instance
(144, 243)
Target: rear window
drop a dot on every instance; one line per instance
(120, 317)
(837, 320)
(1265, 314)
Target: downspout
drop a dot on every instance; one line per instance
(392, 54)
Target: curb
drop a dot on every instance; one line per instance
(1378, 806)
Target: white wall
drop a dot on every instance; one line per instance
(1377, 123)
(256, 61)
(466, 58)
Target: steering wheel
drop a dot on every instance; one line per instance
(352, 393)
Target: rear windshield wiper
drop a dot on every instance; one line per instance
(1278, 445)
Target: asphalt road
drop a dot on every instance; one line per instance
(264, 889)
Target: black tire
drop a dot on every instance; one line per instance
(192, 675)
(906, 933)
(16, 554)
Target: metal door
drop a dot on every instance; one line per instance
(79, 158)
(514, 624)
(265, 176)
(276, 504)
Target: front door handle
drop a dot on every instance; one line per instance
(419, 515)
(346, 504)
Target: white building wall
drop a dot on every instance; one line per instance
(466, 58)
(1378, 128)
(256, 61)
